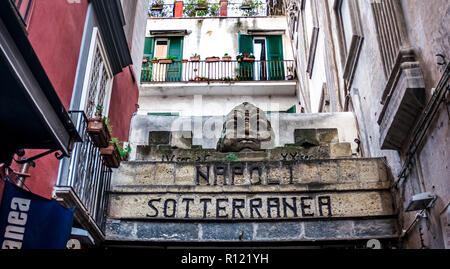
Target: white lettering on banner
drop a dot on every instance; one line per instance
(17, 219)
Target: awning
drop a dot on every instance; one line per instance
(31, 113)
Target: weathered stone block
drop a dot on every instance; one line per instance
(309, 172)
(185, 174)
(317, 230)
(328, 172)
(123, 175)
(327, 136)
(159, 138)
(181, 139)
(227, 231)
(348, 171)
(167, 231)
(368, 170)
(340, 150)
(306, 137)
(279, 231)
(145, 174)
(165, 174)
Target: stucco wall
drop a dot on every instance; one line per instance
(216, 36)
(55, 30)
(426, 24)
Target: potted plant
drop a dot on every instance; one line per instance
(155, 60)
(195, 57)
(111, 154)
(248, 57)
(168, 60)
(226, 57)
(99, 129)
(202, 5)
(184, 60)
(212, 59)
(239, 57)
(157, 5)
(145, 60)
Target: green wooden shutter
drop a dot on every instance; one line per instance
(175, 49)
(246, 46)
(149, 47)
(275, 57)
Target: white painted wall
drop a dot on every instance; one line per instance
(208, 105)
(217, 36)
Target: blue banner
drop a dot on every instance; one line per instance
(28, 221)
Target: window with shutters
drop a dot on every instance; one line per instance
(161, 48)
(350, 36)
(268, 51)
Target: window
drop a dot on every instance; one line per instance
(98, 80)
(268, 51)
(162, 47)
(349, 35)
(387, 17)
(311, 24)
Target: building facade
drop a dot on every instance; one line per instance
(89, 50)
(223, 151)
(387, 62)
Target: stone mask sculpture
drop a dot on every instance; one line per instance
(246, 128)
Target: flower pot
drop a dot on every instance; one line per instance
(155, 61)
(201, 7)
(145, 60)
(157, 7)
(165, 61)
(249, 59)
(212, 59)
(99, 133)
(195, 59)
(111, 155)
(246, 7)
(184, 60)
(226, 58)
(198, 79)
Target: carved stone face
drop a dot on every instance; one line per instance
(246, 128)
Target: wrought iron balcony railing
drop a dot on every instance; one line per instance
(256, 8)
(198, 71)
(84, 180)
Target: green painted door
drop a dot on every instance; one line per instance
(174, 70)
(275, 57)
(149, 48)
(246, 46)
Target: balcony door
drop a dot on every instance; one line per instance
(161, 48)
(268, 51)
(259, 47)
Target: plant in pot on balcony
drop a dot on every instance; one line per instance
(226, 57)
(99, 129)
(111, 154)
(168, 60)
(202, 5)
(195, 57)
(248, 57)
(212, 59)
(157, 4)
(155, 60)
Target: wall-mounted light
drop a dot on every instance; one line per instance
(421, 201)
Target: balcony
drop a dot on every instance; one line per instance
(217, 71)
(219, 78)
(190, 9)
(83, 182)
